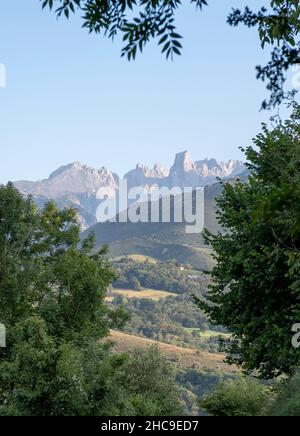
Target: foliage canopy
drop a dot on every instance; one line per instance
(52, 302)
(255, 289)
(139, 21)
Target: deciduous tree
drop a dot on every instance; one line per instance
(139, 21)
(255, 283)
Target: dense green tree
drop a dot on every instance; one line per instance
(279, 27)
(134, 284)
(242, 397)
(152, 382)
(287, 400)
(43, 377)
(52, 302)
(44, 272)
(139, 21)
(255, 283)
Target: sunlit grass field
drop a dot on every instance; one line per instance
(149, 294)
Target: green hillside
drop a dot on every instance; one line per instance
(162, 241)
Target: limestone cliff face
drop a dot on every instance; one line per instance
(72, 178)
(77, 185)
(184, 172)
(73, 185)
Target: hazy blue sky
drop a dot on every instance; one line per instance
(70, 97)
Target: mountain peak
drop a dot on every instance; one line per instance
(183, 163)
(77, 184)
(64, 168)
(160, 170)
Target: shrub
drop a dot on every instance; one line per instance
(242, 397)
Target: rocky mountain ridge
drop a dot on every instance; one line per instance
(79, 185)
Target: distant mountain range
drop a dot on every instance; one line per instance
(77, 185)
